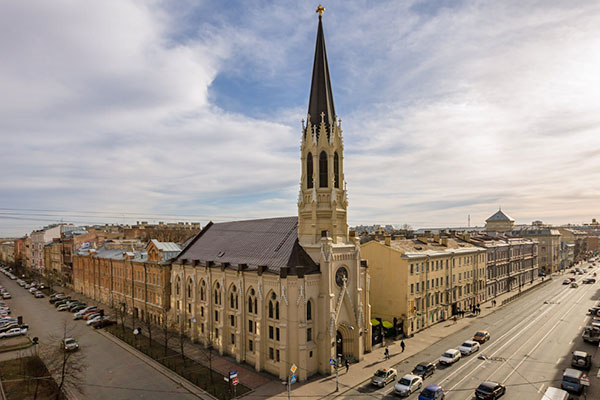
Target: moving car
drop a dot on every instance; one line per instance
(574, 285)
(70, 344)
(481, 336)
(432, 392)
(553, 393)
(566, 281)
(469, 347)
(588, 281)
(581, 360)
(408, 384)
(490, 390)
(450, 357)
(384, 376)
(424, 369)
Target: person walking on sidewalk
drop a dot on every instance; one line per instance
(386, 353)
(402, 345)
(347, 365)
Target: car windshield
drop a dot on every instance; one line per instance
(428, 394)
(404, 381)
(419, 368)
(69, 341)
(467, 344)
(447, 355)
(480, 334)
(380, 373)
(484, 389)
(570, 379)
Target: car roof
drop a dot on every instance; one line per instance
(433, 388)
(575, 373)
(580, 353)
(451, 351)
(410, 376)
(469, 341)
(484, 332)
(489, 384)
(424, 364)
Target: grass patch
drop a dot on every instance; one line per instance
(191, 370)
(26, 378)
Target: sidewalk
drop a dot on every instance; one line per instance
(247, 375)
(324, 387)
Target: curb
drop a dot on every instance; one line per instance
(184, 383)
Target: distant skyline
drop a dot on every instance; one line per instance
(123, 111)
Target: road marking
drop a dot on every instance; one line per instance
(514, 369)
(558, 361)
(541, 388)
(564, 294)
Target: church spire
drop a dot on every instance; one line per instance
(321, 97)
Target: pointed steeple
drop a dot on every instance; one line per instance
(321, 97)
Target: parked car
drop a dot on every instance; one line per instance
(468, 347)
(450, 357)
(77, 308)
(62, 307)
(432, 392)
(408, 384)
(424, 369)
(553, 393)
(481, 336)
(6, 296)
(32, 289)
(72, 306)
(81, 313)
(38, 295)
(384, 376)
(102, 323)
(581, 360)
(91, 315)
(70, 344)
(13, 332)
(490, 390)
(574, 380)
(95, 319)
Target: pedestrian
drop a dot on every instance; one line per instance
(402, 345)
(347, 365)
(386, 353)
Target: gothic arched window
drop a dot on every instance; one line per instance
(323, 170)
(309, 310)
(336, 170)
(177, 286)
(309, 171)
(202, 290)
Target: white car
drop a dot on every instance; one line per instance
(408, 384)
(450, 357)
(70, 344)
(468, 347)
(13, 332)
(92, 320)
(6, 296)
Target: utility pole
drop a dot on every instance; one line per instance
(337, 367)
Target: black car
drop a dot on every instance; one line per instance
(424, 369)
(72, 306)
(102, 323)
(490, 390)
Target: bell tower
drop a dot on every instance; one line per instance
(322, 201)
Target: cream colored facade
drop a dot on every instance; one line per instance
(424, 281)
(307, 312)
(549, 257)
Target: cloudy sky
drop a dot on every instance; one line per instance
(128, 110)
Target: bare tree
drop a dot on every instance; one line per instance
(169, 328)
(66, 367)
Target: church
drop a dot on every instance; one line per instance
(284, 291)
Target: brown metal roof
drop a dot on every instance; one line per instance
(272, 243)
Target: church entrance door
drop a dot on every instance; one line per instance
(339, 345)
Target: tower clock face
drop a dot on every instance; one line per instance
(340, 275)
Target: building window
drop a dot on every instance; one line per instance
(323, 170)
(216, 316)
(189, 308)
(308, 334)
(216, 333)
(250, 305)
(202, 328)
(202, 311)
(270, 332)
(202, 290)
(412, 288)
(277, 355)
(270, 309)
(309, 311)
(336, 170)
(250, 345)
(277, 310)
(232, 317)
(250, 325)
(232, 338)
(309, 171)
(271, 351)
(277, 334)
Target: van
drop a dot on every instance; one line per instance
(574, 380)
(553, 393)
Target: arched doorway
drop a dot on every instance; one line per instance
(339, 345)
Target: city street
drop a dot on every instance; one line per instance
(531, 344)
(111, 372)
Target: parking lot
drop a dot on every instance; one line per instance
(111, 372)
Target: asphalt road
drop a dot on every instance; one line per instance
(111, 372)
(531, 343)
